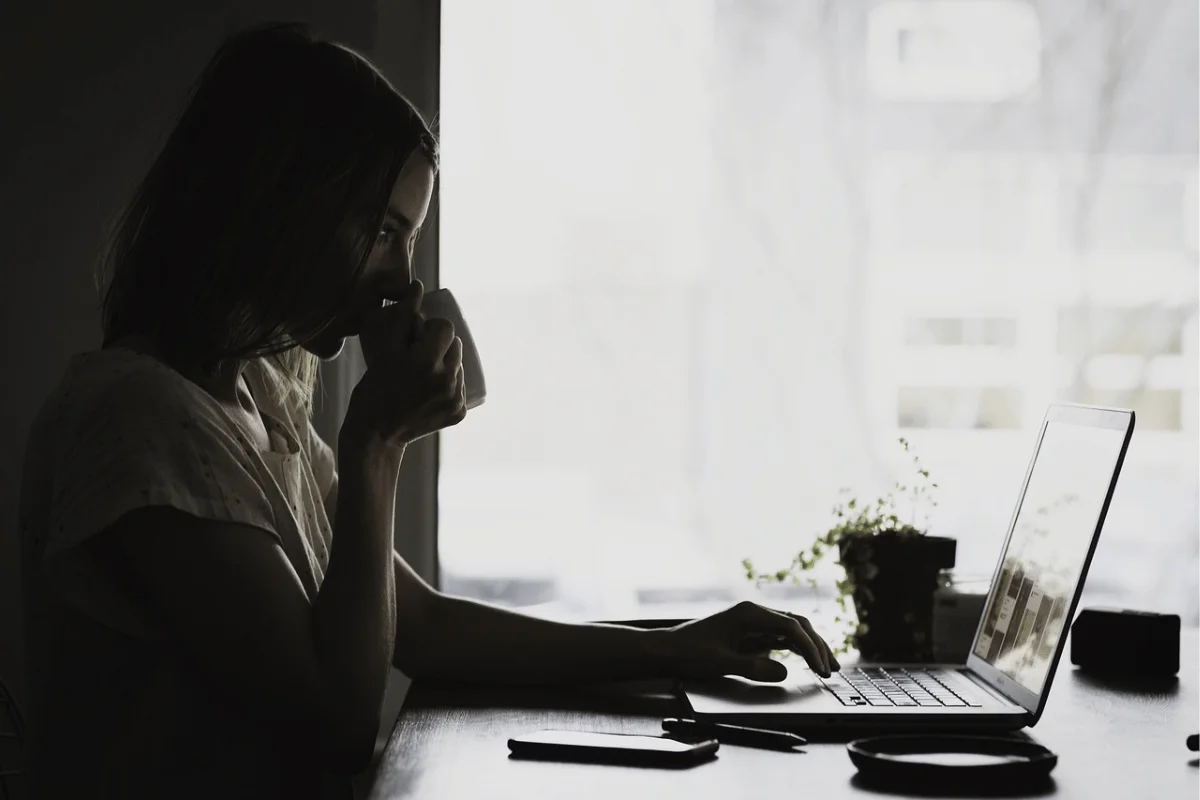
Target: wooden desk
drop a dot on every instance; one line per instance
(451, 742)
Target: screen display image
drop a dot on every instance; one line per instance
(1026, 612)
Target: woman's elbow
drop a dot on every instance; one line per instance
(351, 745)
(409, 660)
(417, 646)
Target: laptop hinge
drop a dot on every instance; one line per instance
(982, 684)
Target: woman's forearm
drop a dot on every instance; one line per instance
(470, 641)
(354, 616)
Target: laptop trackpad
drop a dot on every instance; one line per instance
(733, 693)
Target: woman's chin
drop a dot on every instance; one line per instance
(326, 347)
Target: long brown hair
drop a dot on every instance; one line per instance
(254, 222)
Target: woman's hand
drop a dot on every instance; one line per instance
(414, 381)
(737, 641)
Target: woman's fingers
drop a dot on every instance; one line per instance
(763, 643)
(759, 643)
(830, 660)
(757, 618)
(756, 668)
(437, 340)
(396, 324)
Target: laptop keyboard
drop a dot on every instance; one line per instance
(879, 686)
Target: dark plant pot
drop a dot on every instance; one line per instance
(894, 576)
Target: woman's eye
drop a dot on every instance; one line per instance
(387, 235)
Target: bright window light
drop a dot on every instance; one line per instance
(712, 283)
(954, 50)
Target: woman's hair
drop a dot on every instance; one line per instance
(248, 233)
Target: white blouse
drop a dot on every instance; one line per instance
(119, 706)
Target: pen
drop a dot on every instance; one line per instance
(735, 734)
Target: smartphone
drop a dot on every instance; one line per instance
(611, 748)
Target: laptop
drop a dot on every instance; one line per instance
(1020, 637)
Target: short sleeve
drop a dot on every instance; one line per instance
(150, 440)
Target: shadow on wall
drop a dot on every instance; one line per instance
(85, 107)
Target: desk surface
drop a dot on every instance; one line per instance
(451, 742)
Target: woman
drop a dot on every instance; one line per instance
(213, 603)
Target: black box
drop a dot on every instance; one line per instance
(1117, 641)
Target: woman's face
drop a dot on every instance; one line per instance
(389, 266)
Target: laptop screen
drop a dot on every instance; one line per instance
(1026, 611)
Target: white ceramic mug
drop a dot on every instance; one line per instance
(441, 304)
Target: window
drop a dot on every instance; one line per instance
(953, 50)
(1158, 409)
(956, 204)
(708, 295)
(1191, 212)
(1129, 357)
(1149, 332)
(959, 214)
(985, 407)
(1127, 213)
(964, 332)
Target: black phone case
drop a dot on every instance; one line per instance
(543, 751)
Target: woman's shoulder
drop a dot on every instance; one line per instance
(115, 387)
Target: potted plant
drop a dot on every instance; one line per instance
(892, 569)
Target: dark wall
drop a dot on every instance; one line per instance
(87, 93)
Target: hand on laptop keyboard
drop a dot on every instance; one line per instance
(738, 641)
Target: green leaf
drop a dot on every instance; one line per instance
(865, 518)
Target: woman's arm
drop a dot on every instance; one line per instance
(235, 602)
(354, 616)
(464, 640)
(456, 639)
(444, 637)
